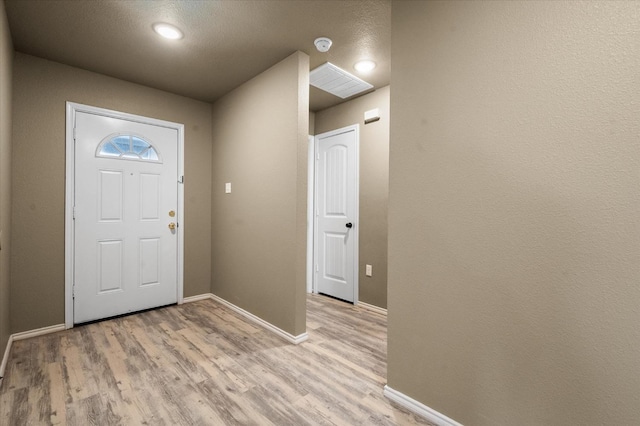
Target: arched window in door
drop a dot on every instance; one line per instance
(128, 147)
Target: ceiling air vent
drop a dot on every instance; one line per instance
(337, 81)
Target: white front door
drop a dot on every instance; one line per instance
(337, 213)
(126, 216)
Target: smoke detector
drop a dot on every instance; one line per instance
(323, 44)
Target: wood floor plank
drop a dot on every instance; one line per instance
(39, 402)
(20, 408)
(58, 410)
(6, 407)
(78, 385)
(17, 373)
(203, 364)
(113, 346)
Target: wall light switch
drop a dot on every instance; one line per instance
(368, 270)
(227, 188)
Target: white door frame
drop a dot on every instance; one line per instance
(356, 229)
(69, 237)
(311, 170)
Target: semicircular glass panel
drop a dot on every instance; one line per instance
(129, 147)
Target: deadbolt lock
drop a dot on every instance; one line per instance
(172, 226)
(172, 213)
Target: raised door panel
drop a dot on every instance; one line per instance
(150, 192)
(110, 196)
(335, 182)
(335, 265)
(110, 256)
(149, 261)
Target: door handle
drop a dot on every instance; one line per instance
(172, 226)
(349, 225)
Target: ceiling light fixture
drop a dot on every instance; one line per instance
(168, 31)
(323, 44)
(365, 66)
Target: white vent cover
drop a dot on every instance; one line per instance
(337, 81)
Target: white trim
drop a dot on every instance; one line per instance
(311, 172)
(419, 408)
(180, 216)
(197, 298)
(356, 254)
(69, 233)
(71, 109)
(5, 358)
(248, 315)
(314, 272)
(38, 332)
(372, 308)
(356, 229)
(25, 335)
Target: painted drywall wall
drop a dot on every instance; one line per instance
(312, 122)
(41, 89)
(6, 69)
(374, 186)
(514, 239)
(258, 231)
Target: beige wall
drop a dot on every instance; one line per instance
(374, 186)
(6, 64)
(259, 230)
(312, 123)
(514, 236)
(41, 89)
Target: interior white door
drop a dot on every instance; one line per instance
(126, 202)
(336, 213)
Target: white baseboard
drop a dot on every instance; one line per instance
(38, 332)
(25, 335)
(419, 408)
(5, 358)
(373, 308)
(248, 315)
(197, 298)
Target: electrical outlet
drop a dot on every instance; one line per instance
(368, 270)
(227, 188)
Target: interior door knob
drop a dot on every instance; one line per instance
(172, 226)
(349, 225)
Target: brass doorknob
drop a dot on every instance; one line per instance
(172, 226)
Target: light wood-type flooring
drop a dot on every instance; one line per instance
(202, 364)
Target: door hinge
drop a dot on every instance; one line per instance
(74, 213)
(74, 134)
(316, 267)
(181, 179)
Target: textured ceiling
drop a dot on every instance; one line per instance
(226, 42)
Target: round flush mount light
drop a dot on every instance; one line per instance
(365, 66)
(323, 44)
(167, 31)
